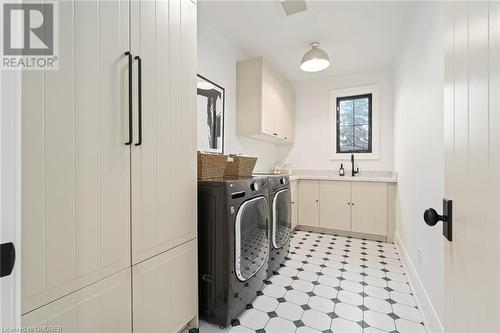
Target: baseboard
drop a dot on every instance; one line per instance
(429, 315)
(330, 231)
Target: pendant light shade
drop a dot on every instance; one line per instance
(315, 59)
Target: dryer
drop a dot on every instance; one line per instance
(281, 220)
(233, 245)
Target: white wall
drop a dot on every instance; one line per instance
(418, 103)
(311, 150)
(217, 59)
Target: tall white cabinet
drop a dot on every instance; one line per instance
(164, 165)
(94, 208)
(76, 169)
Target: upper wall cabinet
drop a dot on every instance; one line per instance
(265, 103)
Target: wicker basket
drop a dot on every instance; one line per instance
(240, 166)
(211, 165)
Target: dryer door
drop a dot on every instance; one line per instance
(251, 237)
(282, 218)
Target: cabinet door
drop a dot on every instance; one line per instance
(165, 290)
(268, 112)
(103, 307)
(290, 114)
(76, 167)
(164, 166)
(295, 204)
(309, 203)
(335, 208)
(369, 210)
(280, 112)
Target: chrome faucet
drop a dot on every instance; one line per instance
(353, 172)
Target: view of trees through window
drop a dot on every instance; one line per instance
(354, 124)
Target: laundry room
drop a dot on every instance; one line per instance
(260, 166)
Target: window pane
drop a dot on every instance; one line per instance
(361, 116)
(354, 124)
(346, 138)
(361, 136)
(346, 112)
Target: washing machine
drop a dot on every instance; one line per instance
(233, 245)
(281, 220)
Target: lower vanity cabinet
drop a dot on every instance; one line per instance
(102, 307)
(369, 208)
(309, 203)
(335, 206)
(356, 207)
(294, 189)
(165, 290)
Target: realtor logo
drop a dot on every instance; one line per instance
(29, 39)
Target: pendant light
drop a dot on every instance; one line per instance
(315, 59)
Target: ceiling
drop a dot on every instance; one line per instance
(357, 35)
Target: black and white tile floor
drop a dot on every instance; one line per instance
(333, 284)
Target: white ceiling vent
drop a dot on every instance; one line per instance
(291, 7)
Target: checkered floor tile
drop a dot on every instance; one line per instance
(333, 284)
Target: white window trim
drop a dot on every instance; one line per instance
(334, 94)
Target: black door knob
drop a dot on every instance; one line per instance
(431, 217)
(7, 258)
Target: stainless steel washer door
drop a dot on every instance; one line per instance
(251, 237)
(282, 219)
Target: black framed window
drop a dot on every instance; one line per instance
(354, 124)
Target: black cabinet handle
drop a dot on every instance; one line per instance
(130, 127)
(7, 258)
(139, 99)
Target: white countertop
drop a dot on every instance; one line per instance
(362, 176)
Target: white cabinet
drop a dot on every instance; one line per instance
(93, 206)
(369, 208)
(309, 203)
(335, 205)
(76, 168)
(358, 208)
(294, 188)
(102, 307)
(265, 102)
(289, 114)
(165, 290)
(164, 165)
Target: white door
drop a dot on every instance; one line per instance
(164, 189)
(472, 167)
(335, 208)
(10, 196)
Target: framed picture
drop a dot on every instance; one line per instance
(210, 115)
